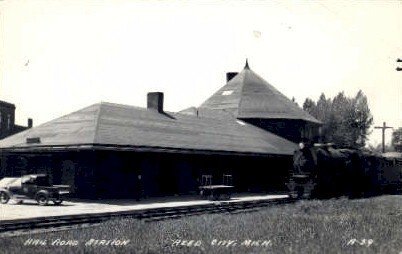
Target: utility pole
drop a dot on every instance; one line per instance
(399, 60)
(383, 127)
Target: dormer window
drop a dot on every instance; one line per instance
(240, 122)
(228, 92)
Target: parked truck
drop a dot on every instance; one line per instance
(28, 187)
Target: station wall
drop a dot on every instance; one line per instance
(129, 174)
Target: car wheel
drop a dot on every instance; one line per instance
(4, 197)
(57, 201)
(42, 199)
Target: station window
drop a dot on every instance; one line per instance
(206, 180)
(8, 122)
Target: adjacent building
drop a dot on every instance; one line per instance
(7, 120)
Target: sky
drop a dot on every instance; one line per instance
(57, 57)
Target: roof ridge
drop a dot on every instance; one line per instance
(61, 117)
(97, 123)
(242, 88)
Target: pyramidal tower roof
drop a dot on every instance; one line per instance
(247, 95)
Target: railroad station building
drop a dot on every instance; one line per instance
(120, 151)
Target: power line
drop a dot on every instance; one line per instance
(383, 128)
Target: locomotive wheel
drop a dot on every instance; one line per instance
(293, 195)
(4, 197)
(299, 192)
(308, 194)
(302, 193)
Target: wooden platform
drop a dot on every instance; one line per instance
(30, 209)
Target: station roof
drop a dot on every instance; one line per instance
(115, 125)
(247, 95)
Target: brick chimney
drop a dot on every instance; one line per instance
(230, 75)
(30, 122)
(155, 101)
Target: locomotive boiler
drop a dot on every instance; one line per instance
(323, 171)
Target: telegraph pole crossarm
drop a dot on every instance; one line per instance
(383, 128)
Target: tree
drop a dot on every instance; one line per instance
(361, 119)
(346, 121)
(397, 139)
(378, 148)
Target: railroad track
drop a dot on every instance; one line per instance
(56, 223)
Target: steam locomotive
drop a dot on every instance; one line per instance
(323, 171)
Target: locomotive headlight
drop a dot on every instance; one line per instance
(301, 145)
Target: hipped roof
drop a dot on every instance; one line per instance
(107, 124)
(247, 95)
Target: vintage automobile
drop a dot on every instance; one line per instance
(35, 187)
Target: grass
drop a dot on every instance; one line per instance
(304, 227)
